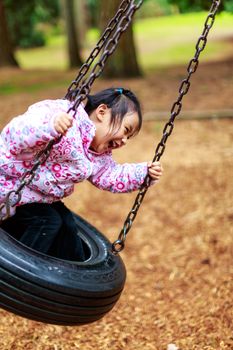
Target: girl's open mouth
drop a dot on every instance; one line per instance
(113, 145)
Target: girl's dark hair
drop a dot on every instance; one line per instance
(121, 102)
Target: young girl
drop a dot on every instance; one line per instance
(107, 121)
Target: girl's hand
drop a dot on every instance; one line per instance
(155, 170)
(62, 122)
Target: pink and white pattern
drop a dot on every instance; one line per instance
(70, 161)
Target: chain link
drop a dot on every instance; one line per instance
(119, 244)
(110, 47)
(74, 88)
(13, 197)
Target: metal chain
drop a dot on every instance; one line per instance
(120, 22)
(108, 51)
(73, 89)
(119, 244)
(13, 197)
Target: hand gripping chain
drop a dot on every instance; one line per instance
(119, 244)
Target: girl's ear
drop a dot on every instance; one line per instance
(101, 112)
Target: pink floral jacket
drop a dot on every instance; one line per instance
(69, 162)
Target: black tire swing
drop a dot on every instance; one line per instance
(46, 289)
(51, 290)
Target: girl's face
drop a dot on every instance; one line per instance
(107, 138)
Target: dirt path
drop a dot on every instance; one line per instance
(179, 253)
(211, 88)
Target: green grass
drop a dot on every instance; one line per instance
(16, 81)
(53, 56)
(161, 42)
(171, 40)
(182, 24)
(182, 53)
(18, 86)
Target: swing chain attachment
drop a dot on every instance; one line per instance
(13, 197)
(119, 244)
(110, 39)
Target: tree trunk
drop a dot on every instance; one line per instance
(6, 51)
(72, 38)
(123, 62)
(80, 14)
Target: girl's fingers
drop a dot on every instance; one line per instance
(63, 127)
(155, 172)
(154, 165)
(63, 122)
(61, 130)
(66, 121)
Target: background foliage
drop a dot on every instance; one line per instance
(25, 18)
(28, 20)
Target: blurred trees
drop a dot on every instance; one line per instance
(19, 22)
(6, 53)
(94, 12)
(24, 19)
(23, 23)
(190, 5)
(27, 24)
(123, 62)
(74, 47)
(82, 22)
(198, 5)
(228, 5)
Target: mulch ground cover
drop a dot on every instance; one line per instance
(179, 253)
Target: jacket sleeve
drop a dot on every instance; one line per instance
(120, 178)
(32, 129)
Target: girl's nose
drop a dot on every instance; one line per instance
(124, 140)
